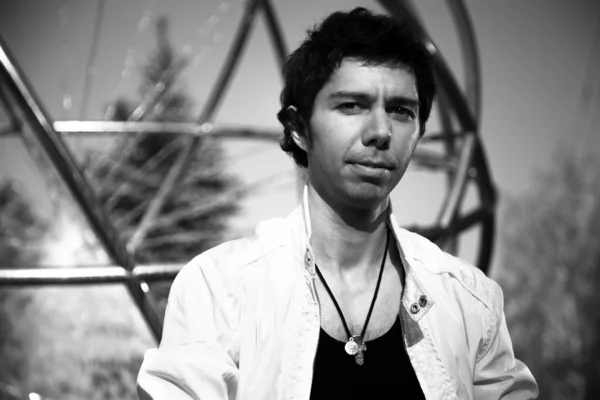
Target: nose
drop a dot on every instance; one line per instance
(378, 131)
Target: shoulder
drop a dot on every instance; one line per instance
(430, 260)
(230, 258)
(220, 276)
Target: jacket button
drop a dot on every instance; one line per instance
(423, 301)
(414, 308)
(307, 257)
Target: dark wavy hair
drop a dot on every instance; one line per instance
(359, 34)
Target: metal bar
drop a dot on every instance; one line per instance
(9, 106)
(212, 103)
(231, 62)
(157, 272)
(428, 159)
(85, 275)
(282, 51)
(449, 143)
(57, 276)
(438, 233)
(456, 192)
(486, 246)
(403, 12)
(432, 233)
(29, 140)
(72, 176)
(444, 108)
(470, 52)
(444, 136)
(467, 221)
(153, 97)
(76, 128)
(276, 33)
(8, 129)
(89, 70)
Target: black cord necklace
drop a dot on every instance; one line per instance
(355, 346)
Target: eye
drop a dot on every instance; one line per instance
(350, 107)
(403, 113)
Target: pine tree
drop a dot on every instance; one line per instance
(130, 175)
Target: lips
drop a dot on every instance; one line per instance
(372, 171)
(375, 164)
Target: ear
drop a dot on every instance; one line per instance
(298, 128)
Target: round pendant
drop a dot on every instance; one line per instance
(351, 347)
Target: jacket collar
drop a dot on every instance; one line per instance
(415, 298)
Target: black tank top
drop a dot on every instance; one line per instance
(385, 374)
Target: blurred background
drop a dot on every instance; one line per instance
(102, 61)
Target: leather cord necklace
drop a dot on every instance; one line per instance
(355, 346)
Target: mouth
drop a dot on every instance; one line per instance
(373, 171)
(375, 165)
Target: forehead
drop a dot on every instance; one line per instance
(377, 79)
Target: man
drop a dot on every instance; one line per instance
(337, 301)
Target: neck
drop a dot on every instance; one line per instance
(346, 239)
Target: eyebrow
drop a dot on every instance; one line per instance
(402, 100)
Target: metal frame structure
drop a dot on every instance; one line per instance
(466, 107)
(464, 160)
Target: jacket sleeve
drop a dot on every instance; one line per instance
(197, 356)
(498, 374)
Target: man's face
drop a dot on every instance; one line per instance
(363, 130)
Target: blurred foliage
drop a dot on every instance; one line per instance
(90, 346)
(63, 343)
(551, 276)
(20, 232)
(19, 228)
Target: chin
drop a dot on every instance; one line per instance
(367, 195)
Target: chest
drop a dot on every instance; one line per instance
(355, 304)
(385, 372)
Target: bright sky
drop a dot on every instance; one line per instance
(534, 56)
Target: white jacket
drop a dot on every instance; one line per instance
(242, 322)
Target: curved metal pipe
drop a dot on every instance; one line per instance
(403, 11)
(470, 53)
(459, 184)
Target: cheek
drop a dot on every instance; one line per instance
(327, 148)
(413, 144)
(326, 154)
(406, 145)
